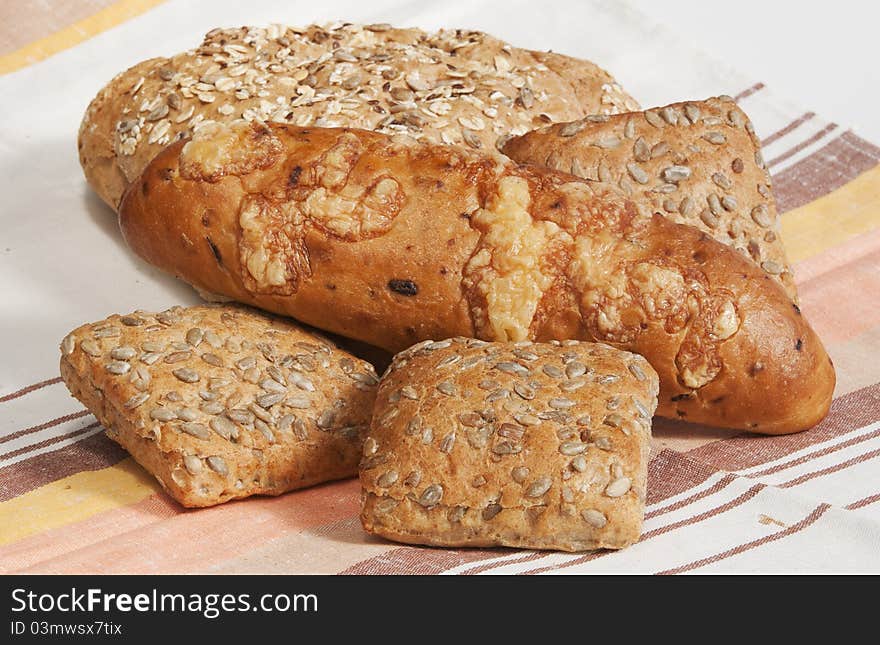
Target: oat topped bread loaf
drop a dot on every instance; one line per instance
(453, 86)
(697, 162)
(532, 445)
(221, 402)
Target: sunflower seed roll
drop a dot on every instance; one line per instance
(533, 445)
(222, 402)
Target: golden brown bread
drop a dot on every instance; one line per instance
(391, 244)
(222, 402)
(531, 445)
(453, 86)
(697, 162)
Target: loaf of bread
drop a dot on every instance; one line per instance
(531, 445)
(393, 243)
(698, 163)
(221, 402)
(453, 86)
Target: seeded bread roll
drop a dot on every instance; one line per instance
(394, 243)
(221, 402)
(532, 445)
(698, 163)
(453, 86)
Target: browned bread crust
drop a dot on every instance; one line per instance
(697, 162)
(531, 445)
(391, 244)
(222, 402)
(453, 86)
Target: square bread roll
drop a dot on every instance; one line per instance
(222, 402)
(531, 445)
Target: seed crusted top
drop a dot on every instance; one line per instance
(452, 87)
(521, 444)
(221, 401)
(697, 162)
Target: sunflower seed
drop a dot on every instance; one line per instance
(211, 407)
(716, 138)
(447, 388)
(539, 487)
(692, 112)
(575, 369)
(654, 119)
(772, 267)
(571, 448)
(186, 375)
(637, 173)
(456, 513)
(470, 419)
(387, 479)
(526, 97)
(447, 443)
(729, 203)
(670, 115)
(571, 129)
(131, 321)
(527, 419)
(187, 414)
(431, 496)
(118, 367)
(414, 426)
(218, 465)
(273, 386)
(244, 417)
(198, 430)
(107, 332)
(604, 172)
(212, 359)
(675, 174)
(560, 403)
(491, 511)
(618, 487)
(412, 480)
(579, 463)
(526, 392)
(326, 420)
(123, 353)
(162, 414)
(637, 371)
(607, 142)
(136, 400)
(641, 150)
(519, 474)
(629, 130)
(506, 448)
(176, 357)
(224, 427)
(594, 518)
(409, 392)
(761, 216)
(552, 371)
(192, 464)
(511, 431)
(265, 430)
(427, 436)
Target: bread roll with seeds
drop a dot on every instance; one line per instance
(393, 243)
(453, 86)
(698, 163)
(222, 402)
(531, 445)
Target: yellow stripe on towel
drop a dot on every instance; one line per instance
(841, 215)
(73, 499)
(76, 33)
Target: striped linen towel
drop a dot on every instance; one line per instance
(71, 501)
